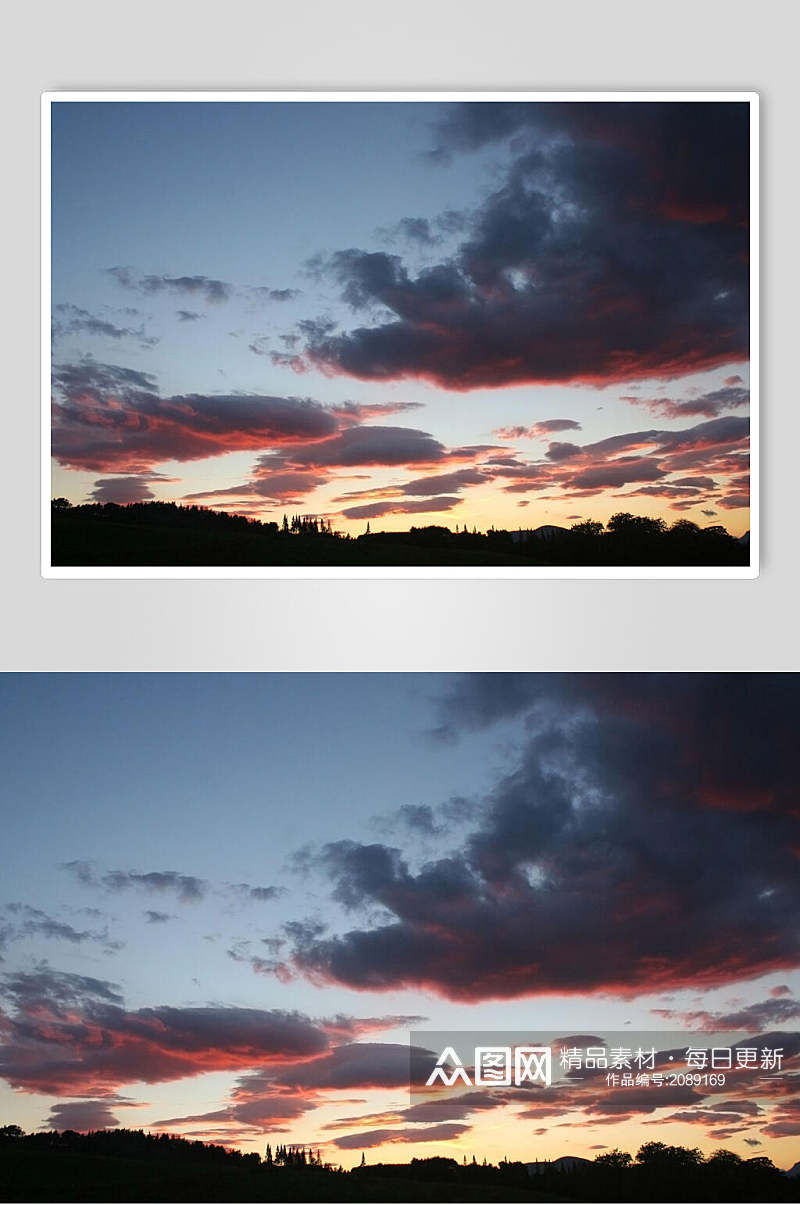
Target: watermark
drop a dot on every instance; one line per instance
(586, 1064)
(492, 1065)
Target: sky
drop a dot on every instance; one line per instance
(488, 313)
(232, 901)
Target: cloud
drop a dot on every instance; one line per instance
(111, 419)
(157, 918)
(72, 320)
(264, 293)
(707, 450)
(614, 248)
(353, 1027)
(33, 922)
(412, 230)
(366, 445)
(375, 510)
(123, 490)
(188, 315)
(85, 1115)
(444, 483)
(632, 468)
(541, 430)
(710, 404)
(293, 471)
(58, 989)
(274, 1094)
(258, 893)
(718, 1109)
(212, 291)
(613, 833)
(444, 1132)
(68, 1036)
(359, 412)
(775, 1011)
(186, 887)
(734, 501)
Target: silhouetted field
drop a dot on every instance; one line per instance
(163, 534)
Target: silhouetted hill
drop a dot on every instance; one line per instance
(162, 534)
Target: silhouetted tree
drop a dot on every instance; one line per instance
(589, 527)
(615, 1158)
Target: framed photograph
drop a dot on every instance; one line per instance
(400, 334)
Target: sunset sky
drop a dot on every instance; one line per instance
(496, 313)
(230, 898)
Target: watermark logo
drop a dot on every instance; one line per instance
(495, 1066)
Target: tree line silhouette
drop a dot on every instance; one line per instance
(68, 1165)
(165, 533)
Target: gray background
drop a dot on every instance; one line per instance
(363, 625)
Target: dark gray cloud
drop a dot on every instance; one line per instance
(614, 248)
(125, 489)
(621, 826)
(257, 893)
(212, 291)
(188, 315)
(444, 1132)
(734, 501)
(419, 231)
(374, 510)
(186, 887)
(444, 483)
(85, 1115)
(57, 990)
(27, 921)
(265, 293)
(710, 404)
(750, 1017)
(72, 320)
(366, 445)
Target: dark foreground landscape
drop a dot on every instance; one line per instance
(164, 534)
(130, 1165)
